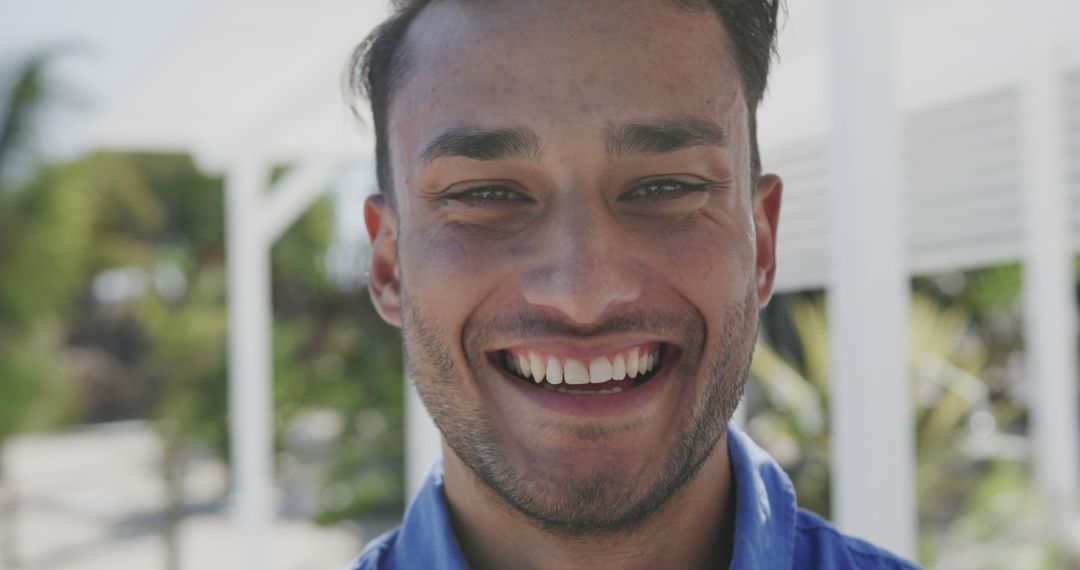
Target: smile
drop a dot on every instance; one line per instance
(597, 375)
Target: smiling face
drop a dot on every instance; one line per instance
(577, 251)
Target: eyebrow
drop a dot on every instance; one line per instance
(483, 144)
(663, 135)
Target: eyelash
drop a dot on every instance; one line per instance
(665, 189)
(485, 195)
(651, 190)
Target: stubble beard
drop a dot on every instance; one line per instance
(607, 500)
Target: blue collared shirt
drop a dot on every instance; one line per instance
(771, 532)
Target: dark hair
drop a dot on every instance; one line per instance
(378, 64)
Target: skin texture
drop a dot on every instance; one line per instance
(562, 245)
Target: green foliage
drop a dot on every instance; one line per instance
(154, 215)
(155, 219)
(333, 352)
(22, 102)
(44, 234)
(34, 394)
(188, 360)
(966, 442)
(158, 219)
(999, 527)
(44, 241)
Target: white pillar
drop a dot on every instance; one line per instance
(250, 350)
(873, 454)
(423, 443)
(1050, 308)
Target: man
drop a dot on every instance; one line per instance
(575, 237)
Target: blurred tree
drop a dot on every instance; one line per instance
(183, 316)
(333, 351)
(965, 430)
(120, 258)
(112, 301)
(188, 362)
(42, 245)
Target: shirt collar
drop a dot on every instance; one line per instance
(765, 508)
(426, 539)
(764, 519)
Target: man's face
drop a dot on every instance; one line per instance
(573, 195)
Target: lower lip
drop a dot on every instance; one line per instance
(595, 405)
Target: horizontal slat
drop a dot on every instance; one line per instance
(971, 256)
(997, 106)
(962, 165)
(975, 143)
(946, 237)
(958, 206)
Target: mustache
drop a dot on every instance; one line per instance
(667, 323)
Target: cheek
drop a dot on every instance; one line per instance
(709, 257)
(451, 271)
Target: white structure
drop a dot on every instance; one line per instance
(255, 222)
(868, 289)
(978, 125)
(242, 98)
(1050, 274)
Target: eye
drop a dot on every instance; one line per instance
(664, 189)
(491, 194)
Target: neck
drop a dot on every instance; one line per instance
(693, 530)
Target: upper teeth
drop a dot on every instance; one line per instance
(626, 364)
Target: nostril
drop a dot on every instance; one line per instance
(585, 296)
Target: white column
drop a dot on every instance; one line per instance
(293, 195)
(873, 456)
(250, 350)
(423, 443)
(1050, 308)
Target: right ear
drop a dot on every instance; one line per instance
(384, 279)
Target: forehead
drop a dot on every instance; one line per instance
(562, 64)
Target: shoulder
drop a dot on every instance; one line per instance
(377, 553)
(819, 544)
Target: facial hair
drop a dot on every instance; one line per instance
(606, 500)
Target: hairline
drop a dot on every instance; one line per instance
(402, 62)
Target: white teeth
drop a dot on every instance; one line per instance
(650, 361)
(538, 368)
(615, 390)
(554, 371)
(574, 372)
(618, 368)
(636, 362)
(600, 370)
(632, 363)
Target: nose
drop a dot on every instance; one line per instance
(585, 268)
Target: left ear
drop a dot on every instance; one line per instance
(766, 220)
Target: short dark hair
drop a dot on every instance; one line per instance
(378, 64)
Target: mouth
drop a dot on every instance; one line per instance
(580, 375)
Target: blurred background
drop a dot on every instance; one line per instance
(176, 171)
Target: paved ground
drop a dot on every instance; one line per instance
(93, 500)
